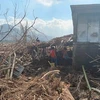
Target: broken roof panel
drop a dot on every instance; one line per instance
(85, 8)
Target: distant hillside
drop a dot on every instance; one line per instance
(13, 35)
(16, 33)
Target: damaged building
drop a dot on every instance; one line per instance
(86, 38)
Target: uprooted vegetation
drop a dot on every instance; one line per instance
(39, 81)
(25, 73)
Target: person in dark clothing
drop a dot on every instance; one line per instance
(64, 52)
(70, 53)
(37, 39)
(67, 57)
(59, 58)
(44, 52)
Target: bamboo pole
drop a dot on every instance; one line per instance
(86, 78)
(89, 87)
(9, 65)
(13, 65)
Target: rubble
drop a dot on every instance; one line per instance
(38, 81)
(47, 87)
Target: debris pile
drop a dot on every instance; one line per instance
(47, 87)
(36, 79)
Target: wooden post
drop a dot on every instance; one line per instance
(13, 65)
(9, 65)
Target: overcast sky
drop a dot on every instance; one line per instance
(54, 16)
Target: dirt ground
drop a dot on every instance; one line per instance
(41, 82)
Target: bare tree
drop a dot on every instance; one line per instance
(10, 54)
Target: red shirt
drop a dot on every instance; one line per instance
(53, 53)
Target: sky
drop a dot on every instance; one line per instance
(54, 16)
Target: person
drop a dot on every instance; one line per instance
(37, 42)
(64, 52)
(37, 39)
(53, 56)
(44, 52)
(34, 50)
(70, 53)
(59, 57)
(65, 56)
(67, 60)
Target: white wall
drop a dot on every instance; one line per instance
(88, 29)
